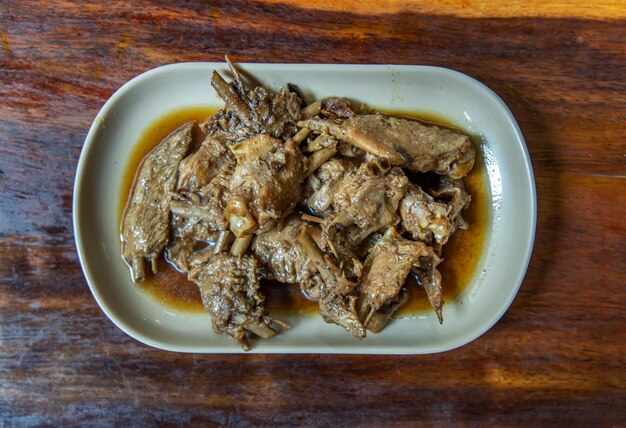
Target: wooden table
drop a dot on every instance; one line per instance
(556, 357)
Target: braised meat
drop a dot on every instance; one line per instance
(145, 223)
(322, 184)
(284, 260)
(229, 286)
(198, 207)
(186, 236)
(364, 201)
(207, 204)
(278, 113)
(407, 143)
(331, 289)
(429, 277)
(249, 113)
(368, 198)
(199, 168)
(267, 178)
(198, 216)
(337, 107)
(341, 310)
(434, 221)
(375, 321)
(314, 195)
(287, 260)
(389, 264)
(453, 192)
(424, 218)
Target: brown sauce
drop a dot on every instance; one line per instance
(462, 253)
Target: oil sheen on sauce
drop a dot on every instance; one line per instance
(461, 254)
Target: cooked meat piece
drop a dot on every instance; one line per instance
(430, 278)
(275, 113)
(224, 125)
(285, 260)
(453, 190)
(200, 230)
(330, 288)
(209, 203)
(229, 286)
(424, 218)
(407, 143)
(249, 113)
(200, 211)
(281, 255)
(338, 107)
(375, 321)
(336, 240)
(199, 168)
(332, 106)
(388, 265)
(178, 251)
(268, 178)
(363, 201)
(341, 310)
(322, 141)
(321, 185)
(333, 277)
(186, 236)
(145, 223)
(313, 288)
(429, 220)
(368, 199)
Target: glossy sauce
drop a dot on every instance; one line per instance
(462, 253)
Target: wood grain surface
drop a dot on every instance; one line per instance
(557, 357)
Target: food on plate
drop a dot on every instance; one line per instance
(403, 142)
(145, 230)
(314, 195)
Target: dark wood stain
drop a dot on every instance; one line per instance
(555, 358)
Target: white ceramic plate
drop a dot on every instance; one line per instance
(445, 93)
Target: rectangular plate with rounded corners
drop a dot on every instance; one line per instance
(442, 92)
